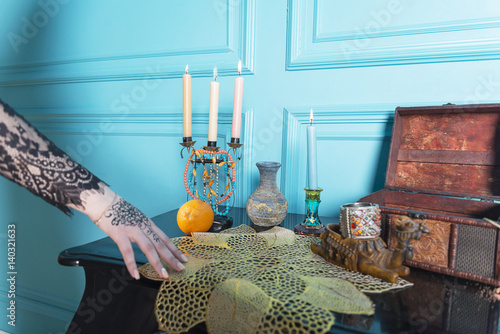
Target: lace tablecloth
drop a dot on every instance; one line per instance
(241, 281)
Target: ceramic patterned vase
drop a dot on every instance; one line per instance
(267, 206)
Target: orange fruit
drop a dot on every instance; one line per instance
(195, 216)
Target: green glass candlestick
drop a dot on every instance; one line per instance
(312, 224)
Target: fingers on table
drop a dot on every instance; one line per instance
(150, 250)
(156, 250)
(127, 251)
(170, 245)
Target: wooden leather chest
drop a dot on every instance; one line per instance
(444, 168)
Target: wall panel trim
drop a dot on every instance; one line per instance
(165, 65)
(309, 49)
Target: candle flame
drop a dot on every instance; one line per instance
(239, 67)
(187, 69)
(215, 73)
(311, 117)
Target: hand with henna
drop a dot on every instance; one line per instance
(31, 160)
(125, 224)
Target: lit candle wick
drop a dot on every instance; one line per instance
(239, 68)
(311, 117)
(215, 73)
(187, 69)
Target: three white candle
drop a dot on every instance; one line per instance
(214, 107)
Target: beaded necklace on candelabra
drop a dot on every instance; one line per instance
(210, 176)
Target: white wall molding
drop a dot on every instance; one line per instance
(150, 65)
(308, 48)
(407, 30)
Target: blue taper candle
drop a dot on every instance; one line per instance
(312, 166)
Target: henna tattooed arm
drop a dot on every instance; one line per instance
(31, 160)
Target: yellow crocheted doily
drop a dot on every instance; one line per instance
(241, 281)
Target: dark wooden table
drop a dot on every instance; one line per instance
(114, 302)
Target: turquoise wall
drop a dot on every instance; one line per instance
(103, 80)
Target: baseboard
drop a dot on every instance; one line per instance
(60, 309)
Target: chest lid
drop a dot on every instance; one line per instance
(450, 150)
